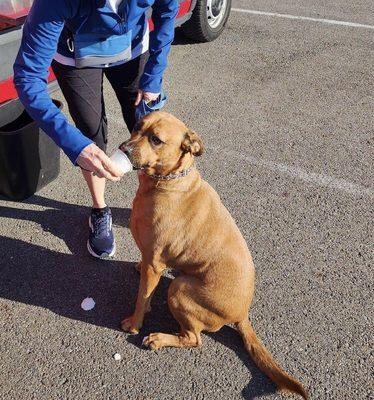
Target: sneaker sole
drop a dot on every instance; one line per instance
(104, 256)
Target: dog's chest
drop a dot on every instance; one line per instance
(156, 223)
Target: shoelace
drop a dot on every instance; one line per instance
(100, 224)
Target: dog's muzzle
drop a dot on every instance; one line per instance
(128, 150)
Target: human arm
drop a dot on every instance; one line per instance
(41, 32)
(161, 38)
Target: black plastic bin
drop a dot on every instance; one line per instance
(29, 159)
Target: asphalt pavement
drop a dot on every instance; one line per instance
(285, 108)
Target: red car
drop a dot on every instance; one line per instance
(200, 20)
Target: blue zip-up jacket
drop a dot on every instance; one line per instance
(44, 33)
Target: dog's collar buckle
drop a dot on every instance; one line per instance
(169, 177)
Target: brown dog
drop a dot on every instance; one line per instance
(178, 221)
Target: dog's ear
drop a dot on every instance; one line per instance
(192, 143)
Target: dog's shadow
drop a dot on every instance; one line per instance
(57, 281)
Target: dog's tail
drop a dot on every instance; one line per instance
(265, 362)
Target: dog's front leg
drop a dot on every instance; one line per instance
(150, 275)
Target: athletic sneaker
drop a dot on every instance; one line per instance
(101, 242)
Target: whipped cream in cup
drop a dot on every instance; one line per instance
(122, 161)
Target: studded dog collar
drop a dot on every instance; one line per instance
(169, 177)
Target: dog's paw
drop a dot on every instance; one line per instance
(154, 341)
(131, 325)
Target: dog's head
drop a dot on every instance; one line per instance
(161, 143)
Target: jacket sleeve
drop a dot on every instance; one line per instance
(161, 38)
(39, 44)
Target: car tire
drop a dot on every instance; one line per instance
(208, 20)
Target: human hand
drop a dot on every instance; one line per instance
(146, 96)
(93, 159)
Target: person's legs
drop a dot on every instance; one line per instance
(96, 187)
(83, 92)
(125, 82)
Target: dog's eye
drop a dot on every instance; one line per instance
(155, 140)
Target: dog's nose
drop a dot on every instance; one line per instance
(126, 148)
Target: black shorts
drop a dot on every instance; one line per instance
(83, 92)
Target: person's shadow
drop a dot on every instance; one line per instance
(57, 281)
(63, 220)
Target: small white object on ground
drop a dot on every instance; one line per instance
(88, 304)
(122, 161)
(144, 339)
(117, 357)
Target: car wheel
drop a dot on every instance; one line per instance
(208, 20)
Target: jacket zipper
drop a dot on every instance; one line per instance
(122, 15)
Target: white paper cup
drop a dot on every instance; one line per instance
(122, 162)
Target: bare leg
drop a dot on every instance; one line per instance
(149, 278)
(96, 186)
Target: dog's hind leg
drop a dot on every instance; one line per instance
(185, 339)
(193, 318)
